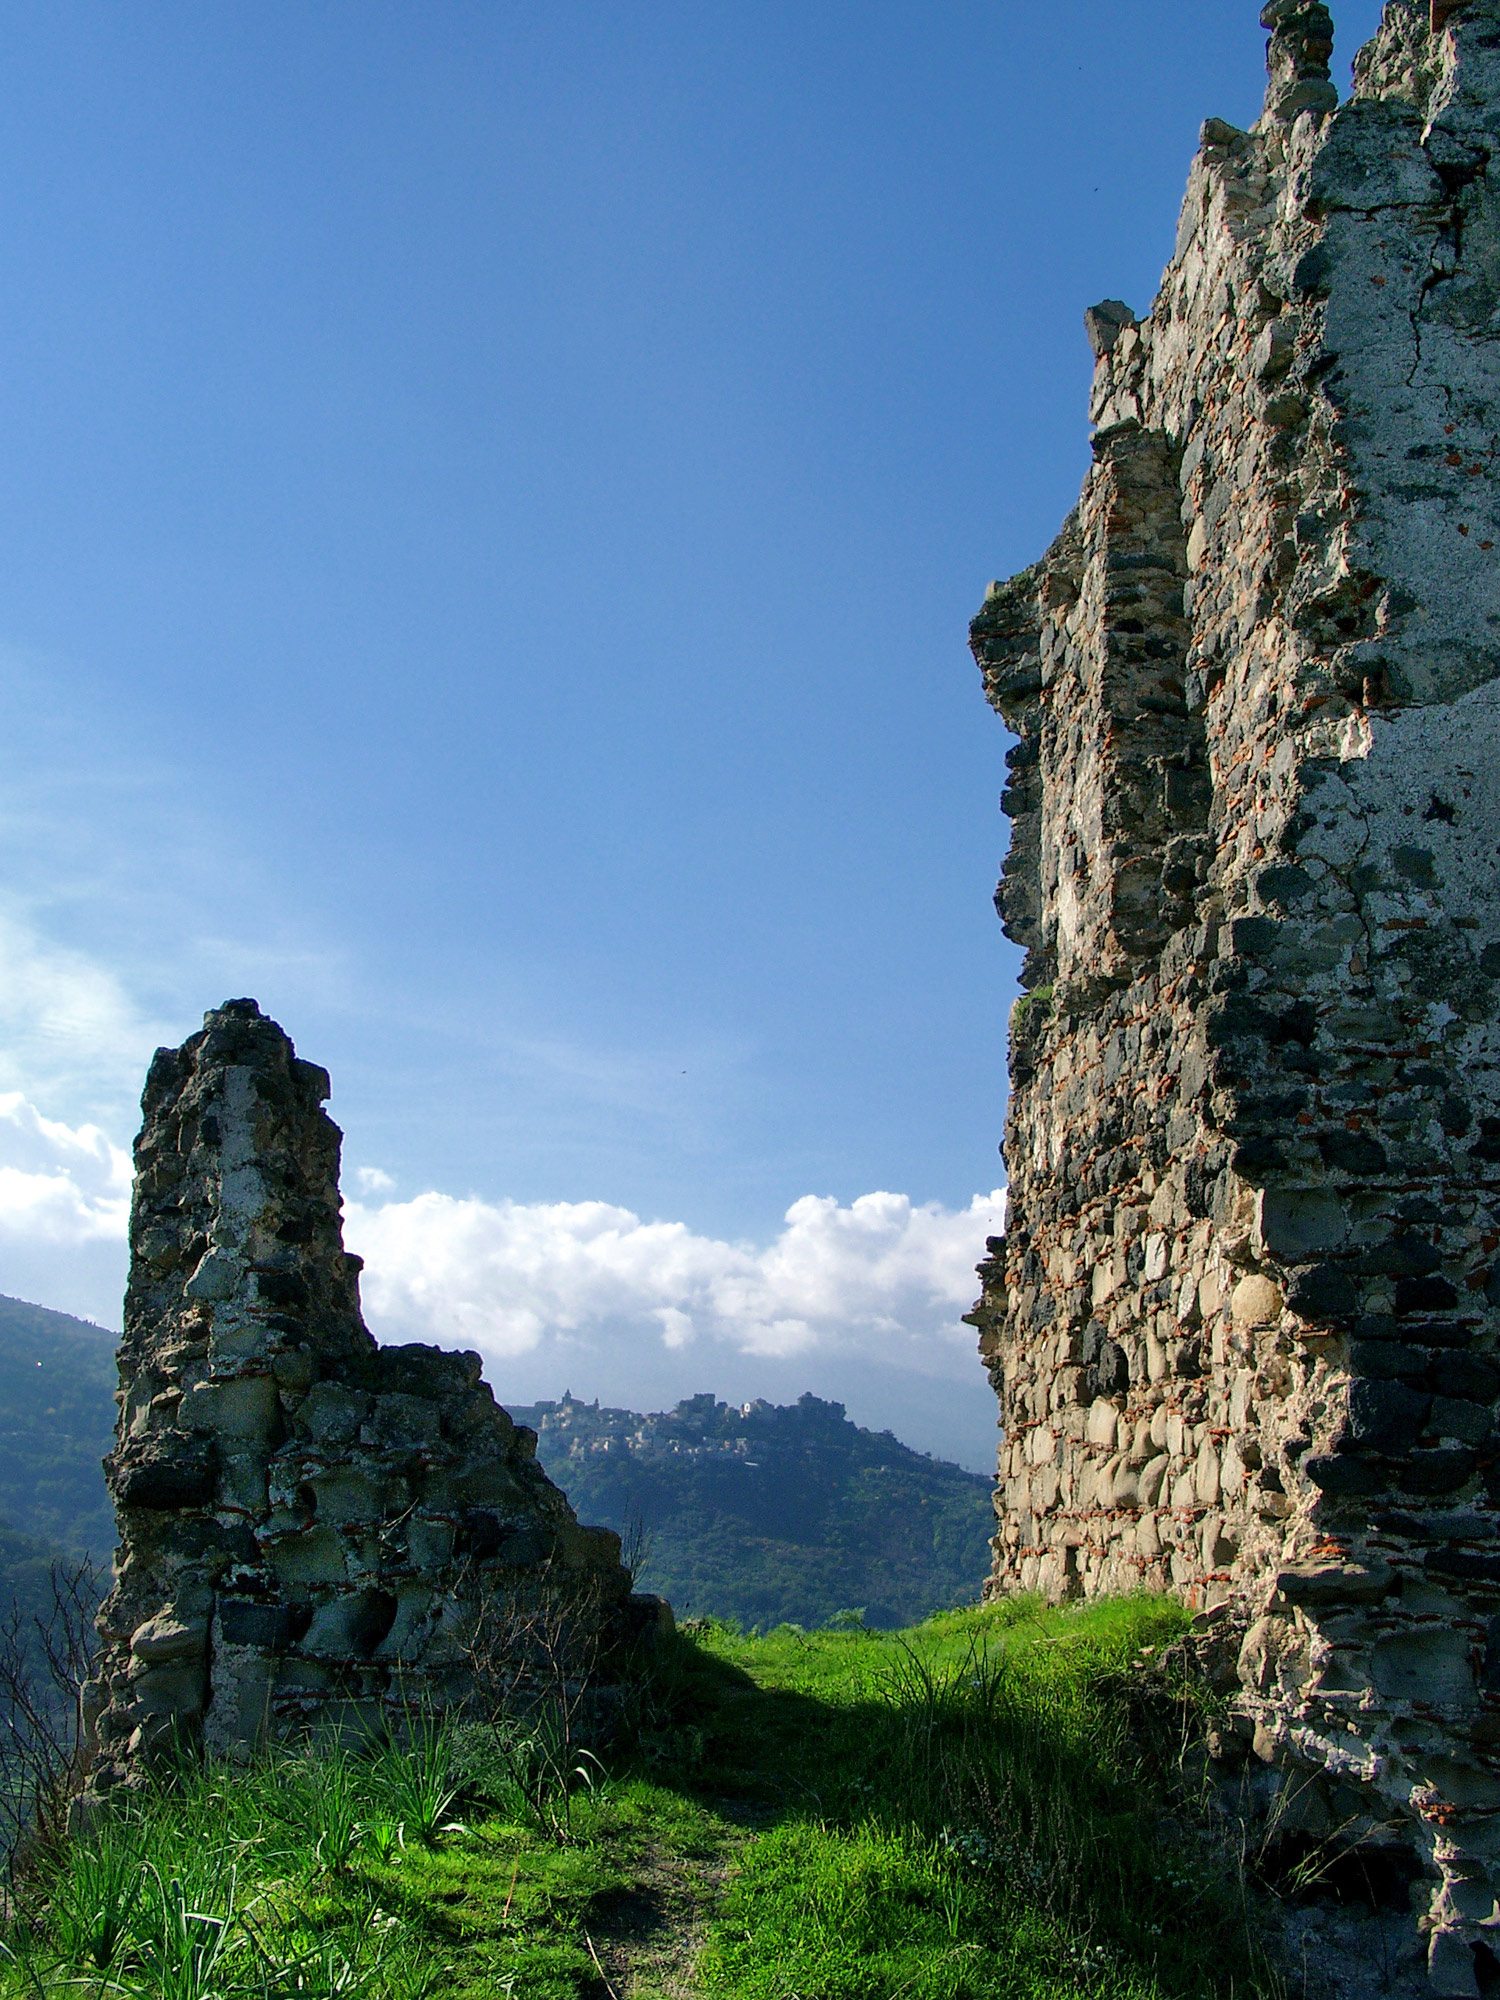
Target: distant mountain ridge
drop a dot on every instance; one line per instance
(57, 1420)
(773, 1513)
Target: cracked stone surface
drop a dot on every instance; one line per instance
(1244, 1319)
(306, 1520)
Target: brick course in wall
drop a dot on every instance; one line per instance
(1244, 1320)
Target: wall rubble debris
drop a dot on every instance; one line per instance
(1244, 1319)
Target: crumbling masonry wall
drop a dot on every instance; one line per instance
(307, 1521)
(1244, 1318)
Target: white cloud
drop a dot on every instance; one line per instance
(860, 1301)
(64, 1208)
(69, 1181)
(883, 1279)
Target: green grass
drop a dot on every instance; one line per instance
(971, 1810)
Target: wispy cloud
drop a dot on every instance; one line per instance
(73, 1033)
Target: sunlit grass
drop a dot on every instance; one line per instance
(961, 1812)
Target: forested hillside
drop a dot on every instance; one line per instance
(57, 1416)
(773, 1514)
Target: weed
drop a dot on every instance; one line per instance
(327, 1798)
(417, 1776)
(385, 1839)
(93, 1888)
(186, 1951)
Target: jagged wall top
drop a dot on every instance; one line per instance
(236, 1218)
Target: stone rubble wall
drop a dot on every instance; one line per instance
(1243, 1321)
(307, 1522)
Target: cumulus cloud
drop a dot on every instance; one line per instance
(883, 1279)
(860, 1301)
(64, 1206)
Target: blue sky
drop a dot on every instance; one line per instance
(491, 497)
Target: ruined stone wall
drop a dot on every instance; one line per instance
(1244, 1319)
(307, 1521)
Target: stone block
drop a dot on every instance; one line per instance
(1255, 1301)
(440, 1373)
(408, 1631)
(216, 1278)
(1333, 1582)
(245, 1408)
(1386, 1416)
(177, 1633)
(1153, 1477)
(346, 1495)
(1442, 1470)
(332, 1413)
(165, 1473)
(1294, 1224)
(1342, 1476)
(400, 1422)
(305, 1680)
(239, 1715)
(318, 1556)
(1470, 1375)
(350, 1626)
(1450, 1957)
(1426, 1664)
(1041, 1446)
(259, 1625)
(352, 1725)
(1457, 1419)
(173, 1690)
(1103, 1421)
(242, 1484)
(1206, 1474)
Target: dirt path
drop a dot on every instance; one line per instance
(646, 1940)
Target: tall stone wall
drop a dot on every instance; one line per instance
(1244, 1318)
(307, 1522)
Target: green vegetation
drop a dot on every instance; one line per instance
(26, 1578)
(773, 1514)
(973, 1810)
(57, 1420)
(1031, 1008)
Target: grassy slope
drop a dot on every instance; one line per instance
(956, 1813)
(57, 1414)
